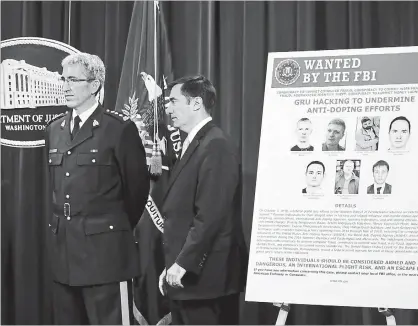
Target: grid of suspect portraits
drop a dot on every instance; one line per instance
(347, 178)
(365, 134)
(332, 138)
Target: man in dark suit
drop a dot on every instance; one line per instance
(100, 184)
(380, 174)
(202, 233)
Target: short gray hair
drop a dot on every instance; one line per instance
(92, 64)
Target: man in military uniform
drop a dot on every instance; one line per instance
(100, 185)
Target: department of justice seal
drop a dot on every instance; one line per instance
(287, 72)
(31, 91)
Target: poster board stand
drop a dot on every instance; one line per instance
(388, 313)
(285, 308)
(321, 238)
(283, 312)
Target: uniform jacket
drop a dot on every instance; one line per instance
(202, 227)
(99, 183)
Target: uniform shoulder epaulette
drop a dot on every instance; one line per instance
(117, 115)
(59, 116)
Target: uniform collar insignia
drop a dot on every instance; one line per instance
(62, 124)
(95, 123)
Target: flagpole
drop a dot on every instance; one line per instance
(69, 22)
(156, 160)
(155, 73)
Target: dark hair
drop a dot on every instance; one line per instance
(337, 121)
(315, 162)
(400, 118)
(304, 119)
(197, 86)
(380, 163)
(365, 119)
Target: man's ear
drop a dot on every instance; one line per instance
(96, 86)
(198, 103)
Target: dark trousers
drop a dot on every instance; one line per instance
(218, 311)
(83, 305)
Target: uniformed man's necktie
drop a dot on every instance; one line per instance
(184, 147)
(378, 189)
(76, 127)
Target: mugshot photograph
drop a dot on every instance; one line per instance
(367, 135)
(314, 175)
(334, 134)
(399, 133)
(303, 132)
(380, 173)
(347, 177)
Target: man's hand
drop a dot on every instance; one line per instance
(161, 281)
(174, 275)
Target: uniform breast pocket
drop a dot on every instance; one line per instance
(55, 163)
(97, 168)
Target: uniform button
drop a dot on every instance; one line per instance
(67, 174)
(68, 218)
(93, 160)
(69, 152)
(67, 196)
(50, 161)
(111, 227)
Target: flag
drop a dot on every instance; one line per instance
(141, 98)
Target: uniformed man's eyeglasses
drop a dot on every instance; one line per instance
(72, 80)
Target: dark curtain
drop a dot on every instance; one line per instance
(226, 41)
(96, 27)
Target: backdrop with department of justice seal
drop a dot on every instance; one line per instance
(31, 95)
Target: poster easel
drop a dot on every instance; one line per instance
(388, 313)
(285, 308)
(283, 312)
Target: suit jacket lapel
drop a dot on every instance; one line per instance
(178, 167)
(86, 130)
